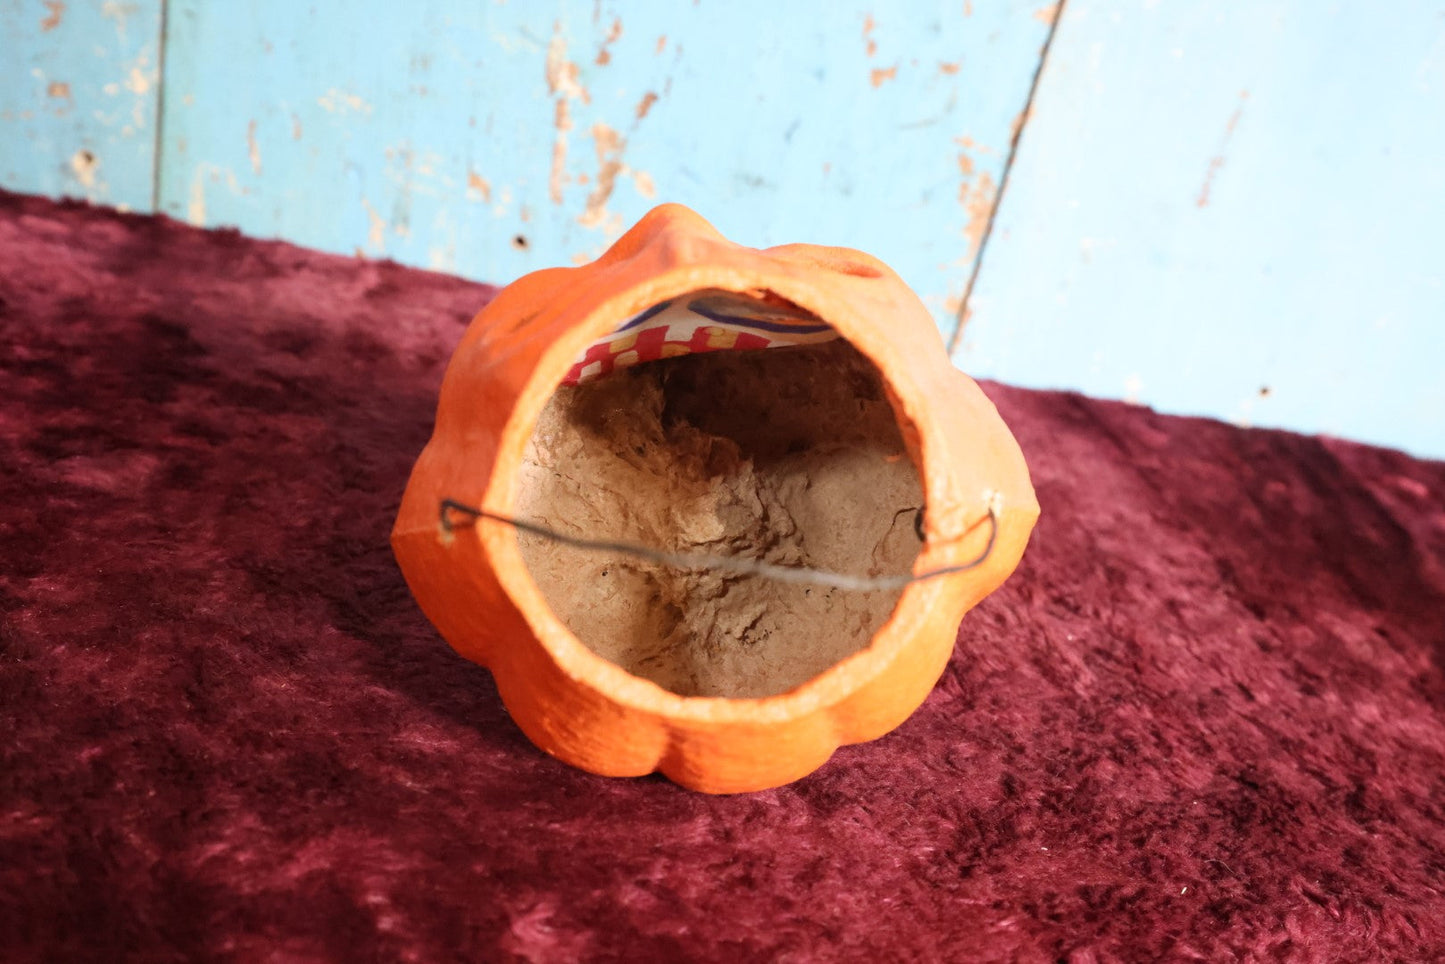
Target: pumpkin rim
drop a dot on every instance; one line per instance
(740, 270)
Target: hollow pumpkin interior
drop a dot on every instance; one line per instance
(791, 455)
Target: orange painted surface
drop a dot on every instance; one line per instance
(475, 588)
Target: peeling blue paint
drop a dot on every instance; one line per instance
(762, 116)
(79, 84)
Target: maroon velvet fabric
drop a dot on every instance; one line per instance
(1205, 719)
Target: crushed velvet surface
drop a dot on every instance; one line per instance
(1205, 720)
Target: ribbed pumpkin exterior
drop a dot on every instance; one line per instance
(474, 587)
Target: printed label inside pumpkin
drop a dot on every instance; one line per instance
(792, 456)
(704, 321)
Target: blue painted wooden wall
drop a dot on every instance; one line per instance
(1235, 209)
(1222, 208)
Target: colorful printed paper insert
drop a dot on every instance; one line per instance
(700, 322)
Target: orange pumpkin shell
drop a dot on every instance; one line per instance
(475, 588)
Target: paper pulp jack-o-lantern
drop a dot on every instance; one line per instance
(793, 406)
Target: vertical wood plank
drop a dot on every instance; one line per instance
(1232, 210)
(79, 84)
(492, 139)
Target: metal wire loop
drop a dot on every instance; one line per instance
(801, 575)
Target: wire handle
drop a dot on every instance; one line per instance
(798, 575)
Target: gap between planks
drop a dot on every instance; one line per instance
(961, 320)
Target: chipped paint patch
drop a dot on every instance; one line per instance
(645, 105)
(120, 13)
(58, 89)
(609, 145)
(1217, 161)
(56, 13)
(661, 44)
(376, 232)
(871, 44)
(969, 144)
(1047, 15)
(85, 165)
(562, 74)
(879, 75)
(978, 200)
(337, 101)
(562, 82)
(977, 197)
(949, 69)
(478, 189)
(196, 209)
(253, 149)
(642, 181)
(138, 81)
(561, 123)
(604, 56)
